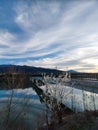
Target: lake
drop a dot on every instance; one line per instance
(26, 103)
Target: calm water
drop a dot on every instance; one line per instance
(80, 100)
(76, 99)
(27, 103)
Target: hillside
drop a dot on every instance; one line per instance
(27, 69)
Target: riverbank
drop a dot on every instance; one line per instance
(87, 120)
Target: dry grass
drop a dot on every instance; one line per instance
(79, 121)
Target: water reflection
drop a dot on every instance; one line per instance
(25, 104)
(76, 99)
(80, 100)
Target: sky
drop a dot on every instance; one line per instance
(50, 33)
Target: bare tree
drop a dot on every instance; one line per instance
(56, 91)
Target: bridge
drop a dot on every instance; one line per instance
(87, 76)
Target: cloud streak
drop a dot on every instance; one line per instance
(53, 34)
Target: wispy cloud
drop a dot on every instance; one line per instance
(53, 34)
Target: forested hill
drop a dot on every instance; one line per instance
(26, 69)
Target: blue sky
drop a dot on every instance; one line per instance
(50, 33)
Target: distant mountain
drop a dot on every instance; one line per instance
(72, 71)
(27, 69)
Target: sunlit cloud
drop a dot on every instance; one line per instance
(52, 33)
